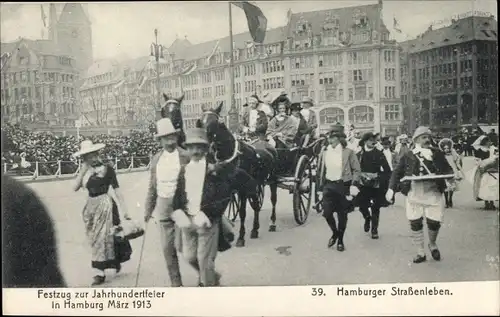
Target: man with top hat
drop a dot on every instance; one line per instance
(308, 114)
(202, 196)
(424, 192)
(164, 171)
(385, 176)
(371, 198)
(339, 174)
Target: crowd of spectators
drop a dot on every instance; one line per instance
(24, 147)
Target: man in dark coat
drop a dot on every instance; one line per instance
(371, 198)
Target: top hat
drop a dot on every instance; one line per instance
(337, 129)
(87, 147)
(164, 127)
(421, 131)
(295, 106)
(367, 136)
(307, 99)
(196, 136)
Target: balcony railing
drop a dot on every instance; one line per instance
(56, 169)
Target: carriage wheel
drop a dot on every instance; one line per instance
(302, 192)
(256, 202)
(318, 193)
(233, 208)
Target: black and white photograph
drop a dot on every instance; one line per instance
(233, 144)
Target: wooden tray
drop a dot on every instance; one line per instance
(427, 177)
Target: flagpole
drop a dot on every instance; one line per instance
(233, 112)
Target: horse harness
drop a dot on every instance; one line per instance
(214, 151)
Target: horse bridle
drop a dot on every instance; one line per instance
(212, 145)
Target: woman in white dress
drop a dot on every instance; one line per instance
(486, 173)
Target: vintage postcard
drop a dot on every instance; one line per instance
(241, 158)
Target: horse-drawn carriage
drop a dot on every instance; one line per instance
(296, 172)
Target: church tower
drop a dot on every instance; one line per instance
(74, 35)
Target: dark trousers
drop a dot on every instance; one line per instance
(369, 200)
(334, 201)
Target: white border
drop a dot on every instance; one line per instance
(467, 298)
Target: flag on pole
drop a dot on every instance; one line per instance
(213, 52)
(189, 69)
(396, 26)
(257, 22)
(44, 17)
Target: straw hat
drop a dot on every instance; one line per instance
(164, 127)
(421, 131)
(196, 136)
(87, 147)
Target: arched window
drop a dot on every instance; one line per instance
(331, 116)
(361, 114)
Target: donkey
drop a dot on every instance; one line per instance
(255, 166)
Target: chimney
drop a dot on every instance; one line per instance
(52, 23)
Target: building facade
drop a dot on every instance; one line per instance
(449, 75)
(343, 58)
(40, 78)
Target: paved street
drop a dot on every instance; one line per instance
(468, 239)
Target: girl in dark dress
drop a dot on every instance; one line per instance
(100, 213)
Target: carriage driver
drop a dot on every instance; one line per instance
(308, 114)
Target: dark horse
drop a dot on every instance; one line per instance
(172, 109)
(254, 166)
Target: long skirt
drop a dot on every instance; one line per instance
(485, 185)
(99, 216)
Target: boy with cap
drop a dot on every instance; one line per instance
(424, 198)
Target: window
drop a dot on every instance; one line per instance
(359, 58)
(389, 92)
(360, 92)
(273, 66)
(361, 114)
(302, 62)
(390, 56)
(331, 116)
(390, 74)
(351, 93)
(392, 112)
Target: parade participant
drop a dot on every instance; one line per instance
(339, 175)
(424, 198)
(385, 176)
(202, 196)
(303, 128)
(372, 162)
(402, 147)
(485, 185)
(164, 171)
(265, 106)
(253, 117)
(455, 161)
(282, 126)
(378, 142)
(101, 211)
(309, 115)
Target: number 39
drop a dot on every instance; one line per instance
(317, 291)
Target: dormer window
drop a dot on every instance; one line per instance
(302, 25)
(446, 40)
(331, 22)
(431, 43)
(360, 18)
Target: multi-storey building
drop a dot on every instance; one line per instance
(449, 75)
(343, 58)
(40, 79)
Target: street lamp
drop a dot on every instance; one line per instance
(157, 53)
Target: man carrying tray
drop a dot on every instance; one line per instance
(422, 175)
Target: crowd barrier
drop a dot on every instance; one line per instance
(54, 170)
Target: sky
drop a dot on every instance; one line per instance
(125, 29)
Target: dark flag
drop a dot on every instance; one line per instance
(257, 22)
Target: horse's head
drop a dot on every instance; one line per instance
(172, 109)
(210, 121)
